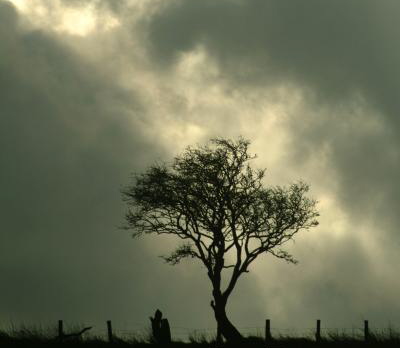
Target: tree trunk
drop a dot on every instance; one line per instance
(225, 327)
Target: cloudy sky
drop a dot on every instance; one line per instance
(93, 90)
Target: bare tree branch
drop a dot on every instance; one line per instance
(183, 251)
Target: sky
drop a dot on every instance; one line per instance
(95, 90)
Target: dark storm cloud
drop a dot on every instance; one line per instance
(67, 144)
(338, 46)
(338, 52)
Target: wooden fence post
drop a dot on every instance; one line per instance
(109, 331)
(318, 332)
(267, 330)
(60, 330)
(366, 330)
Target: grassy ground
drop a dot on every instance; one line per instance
(25, 337)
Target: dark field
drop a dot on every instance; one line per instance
(38, 338)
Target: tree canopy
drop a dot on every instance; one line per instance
(212, 199)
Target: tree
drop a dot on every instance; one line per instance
(216, 203)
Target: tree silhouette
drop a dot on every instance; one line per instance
(216, 203)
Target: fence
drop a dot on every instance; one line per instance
(267, 332)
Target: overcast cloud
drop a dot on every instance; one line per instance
(92, 91)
